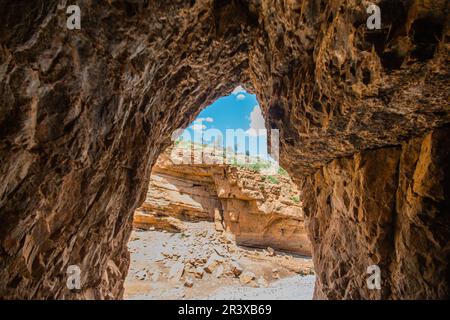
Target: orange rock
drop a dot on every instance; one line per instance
(259, 210)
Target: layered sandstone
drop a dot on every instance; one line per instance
(85, 113)
(258, 209)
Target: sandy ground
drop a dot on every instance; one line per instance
(291, 288)
(172, 266)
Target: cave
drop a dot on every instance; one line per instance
(221, 218)
(363, 117)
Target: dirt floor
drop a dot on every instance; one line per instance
(201, 263)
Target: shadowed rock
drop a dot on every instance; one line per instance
(85, 113)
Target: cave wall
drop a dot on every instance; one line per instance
(85, 113)
(388, 207)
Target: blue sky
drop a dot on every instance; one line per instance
(239, 110)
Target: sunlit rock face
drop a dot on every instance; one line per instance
(85, 113)
(254, 208)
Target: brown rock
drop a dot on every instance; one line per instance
(199, 272)
(270, 251)
(141, 275)
(258, 211)
(212, 264)
(146, 221)
(236, 269)
(246, 277)
(189, 283)
(85, 113)
(375, 209)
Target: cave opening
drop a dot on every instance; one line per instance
(221, 218)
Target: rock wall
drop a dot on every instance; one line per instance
(388, 207)
(85, 113)
(258, 210)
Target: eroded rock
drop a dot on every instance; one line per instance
(189, 283)
(256, 208)
(247, 277)
(236, 269)
(144, 221)
(383, 207)
(85, 114)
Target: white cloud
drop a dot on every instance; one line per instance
(198, 127)
(238, 90)
(208, 119)
(257, 119)
(257, 123)
(240, 97)
(257, 132)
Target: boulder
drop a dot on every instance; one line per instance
(247, 277)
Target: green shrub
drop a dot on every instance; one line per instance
(255, 166)
(272, 179)
(282, 172)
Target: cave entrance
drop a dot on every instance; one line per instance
(221, 219)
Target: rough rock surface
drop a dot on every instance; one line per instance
(212, 264)
(259, 210)
(143, 220)
(85, 113)
(387, 207)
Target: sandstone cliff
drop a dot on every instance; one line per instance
(259, 210)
